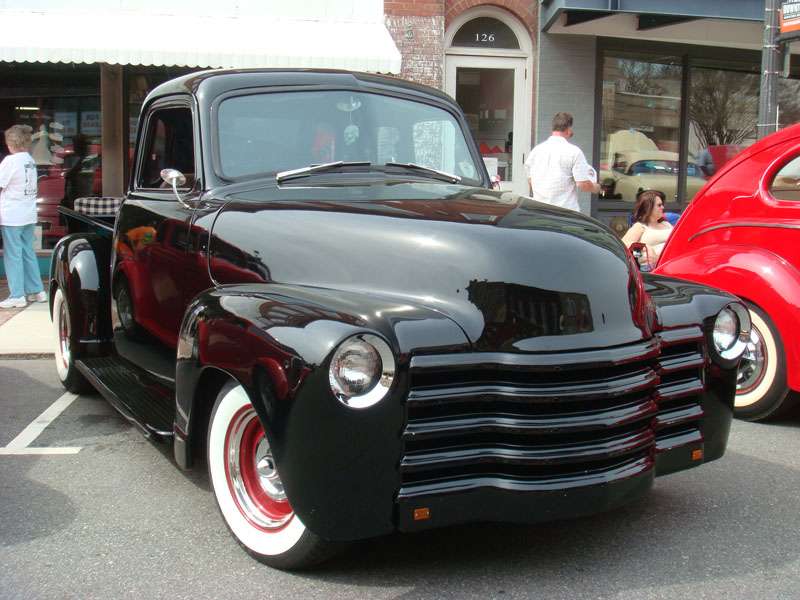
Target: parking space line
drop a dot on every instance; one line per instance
(20, 445)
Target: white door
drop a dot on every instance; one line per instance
(491, 92)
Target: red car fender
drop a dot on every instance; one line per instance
(736, 269)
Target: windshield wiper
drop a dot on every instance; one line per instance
(439, 174)
(283, 175)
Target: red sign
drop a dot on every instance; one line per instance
(790, 16)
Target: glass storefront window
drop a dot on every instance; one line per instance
(61, 103)
(640, 129)
(723, 113)
(789, 96)
(643, 131)
(62, 106)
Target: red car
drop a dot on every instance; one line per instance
(741, 233)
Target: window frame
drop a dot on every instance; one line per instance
(144, 139)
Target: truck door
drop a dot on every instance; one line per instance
(151, 242)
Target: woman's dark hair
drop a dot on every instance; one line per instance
(645, 202)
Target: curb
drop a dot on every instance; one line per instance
(28, 356)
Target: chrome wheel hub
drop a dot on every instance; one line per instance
(252, 474)
(754, 363)
(267, 473)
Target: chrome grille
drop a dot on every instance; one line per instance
(539, 422)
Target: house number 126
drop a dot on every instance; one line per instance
(484, 37)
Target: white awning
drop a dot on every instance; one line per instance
(135, 38)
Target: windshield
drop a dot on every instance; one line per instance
(271, 132)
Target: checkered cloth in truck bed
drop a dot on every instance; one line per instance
(98, 207)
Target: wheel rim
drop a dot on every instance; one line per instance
(63, 334)
(252, 477)
(754, 363)
(124, 308)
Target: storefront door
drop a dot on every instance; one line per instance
(491, 91)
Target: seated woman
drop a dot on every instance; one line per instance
(650, 227)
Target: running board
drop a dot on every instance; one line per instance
(137, 395)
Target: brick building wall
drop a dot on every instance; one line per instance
(522, 9)
(417, 27)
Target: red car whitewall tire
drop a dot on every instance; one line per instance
(762, 390)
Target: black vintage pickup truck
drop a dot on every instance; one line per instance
(311, 284)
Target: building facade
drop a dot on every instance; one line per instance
(662, 93)
(670, 91)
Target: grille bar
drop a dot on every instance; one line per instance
(522, 424)
(608, 474)
(561, 361)
(533, 393)
(679, 416)
(530, 455)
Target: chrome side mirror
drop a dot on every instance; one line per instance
(174, 178)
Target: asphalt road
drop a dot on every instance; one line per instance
(90, 509)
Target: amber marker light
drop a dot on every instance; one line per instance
(420, 514)
(697, 454)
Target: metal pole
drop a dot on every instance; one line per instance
(771, 66)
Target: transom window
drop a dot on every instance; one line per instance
(486, 32)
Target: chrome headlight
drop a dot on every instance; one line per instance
(731, 331)
(361, 371)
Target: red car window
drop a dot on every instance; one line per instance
(786, 183)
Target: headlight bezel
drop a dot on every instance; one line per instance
(382, 377)
(730, 351)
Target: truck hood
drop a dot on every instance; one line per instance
(516, 275)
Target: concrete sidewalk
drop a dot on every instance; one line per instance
(25, 332)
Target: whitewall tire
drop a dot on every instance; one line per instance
(65, 351)
(761, 387)
(248, 489)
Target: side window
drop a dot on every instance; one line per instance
(786, 183)
(169, 143)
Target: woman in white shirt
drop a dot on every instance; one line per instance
(18, 191)
(650, 226)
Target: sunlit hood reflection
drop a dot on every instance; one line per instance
(516, 276)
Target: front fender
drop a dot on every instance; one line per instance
(677, 303)
(80, 268)
(756, 275)
(337, 464)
